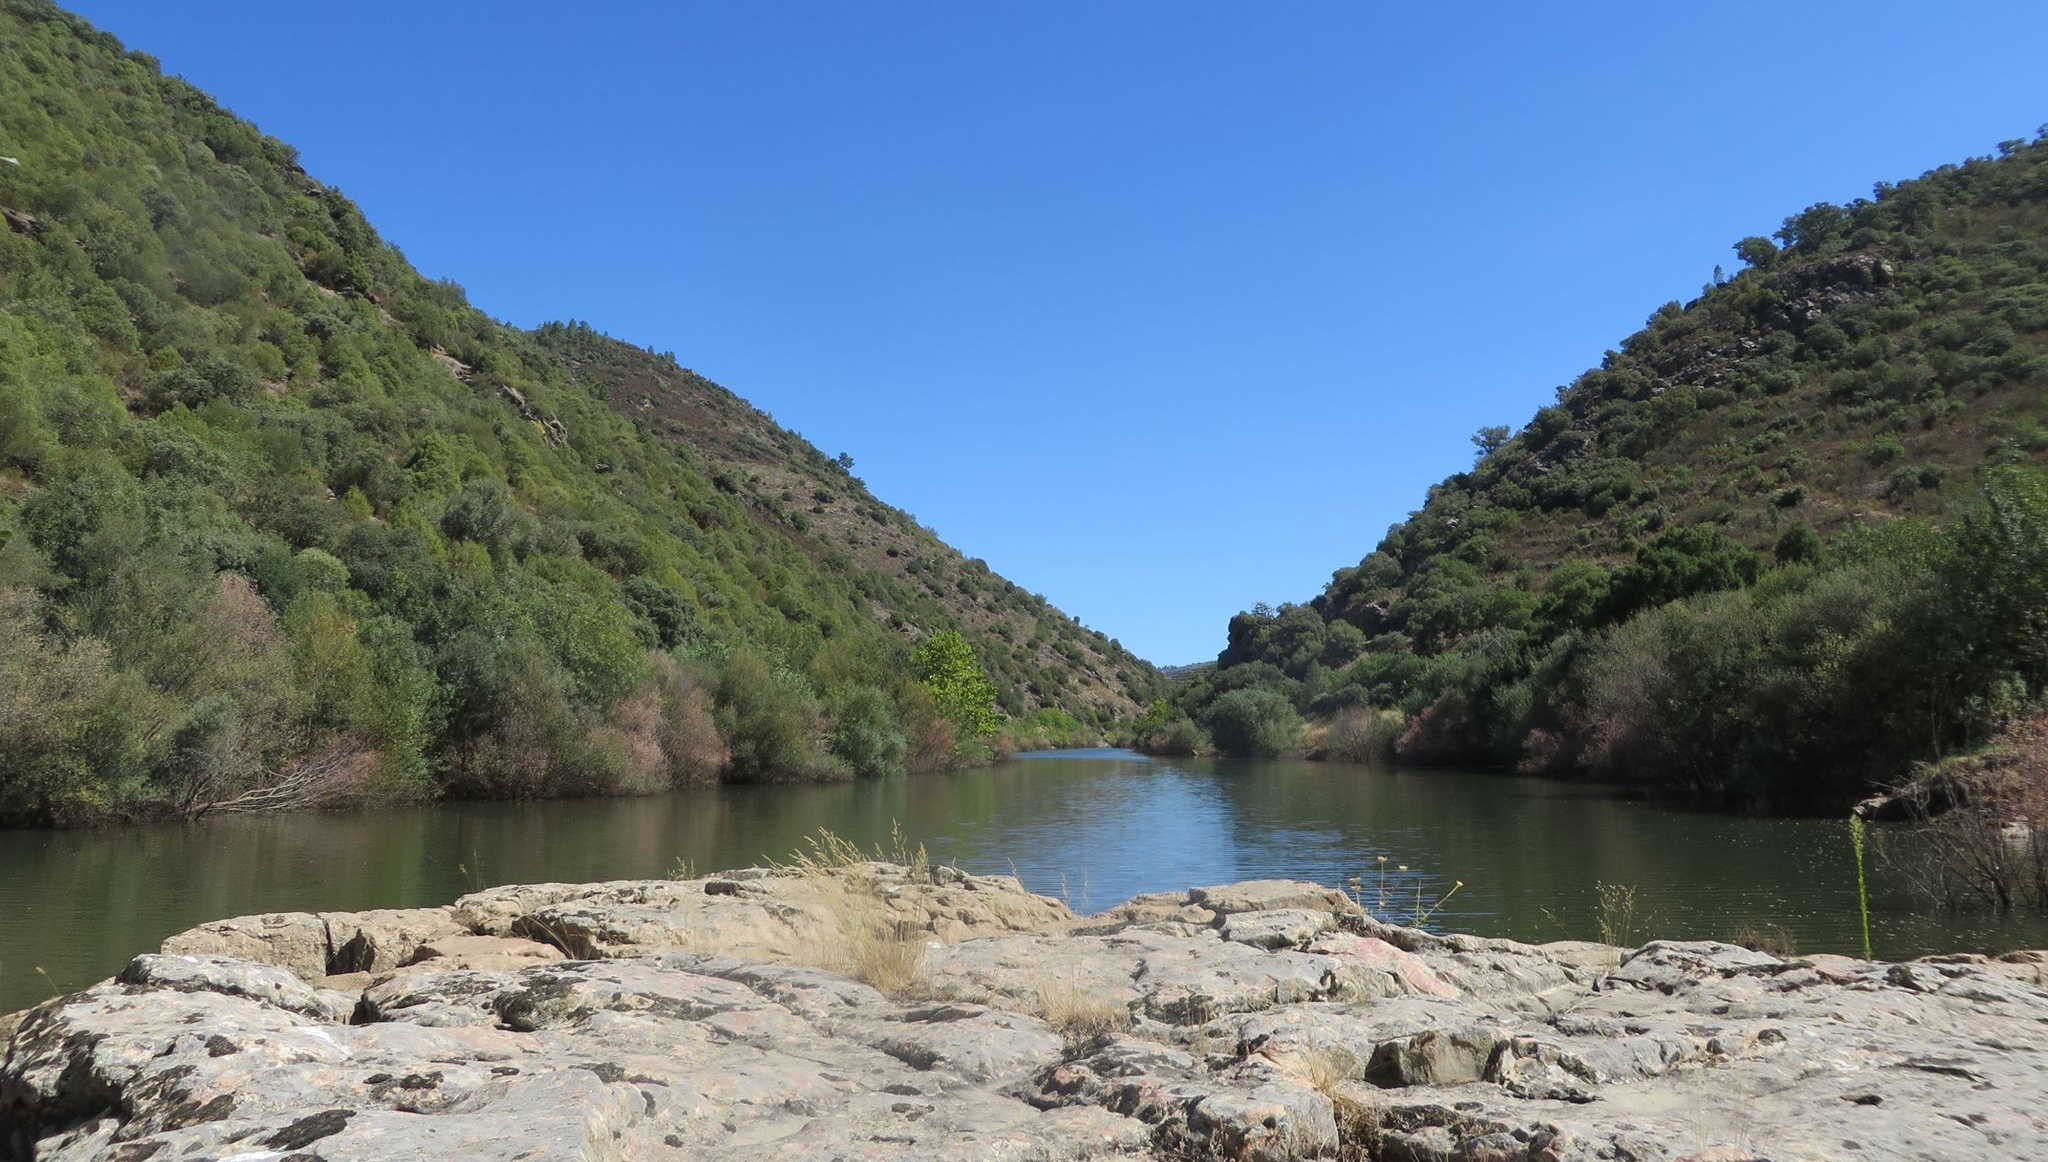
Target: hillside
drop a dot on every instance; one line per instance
(1868, 393)
(282, 520)
(1035, 655)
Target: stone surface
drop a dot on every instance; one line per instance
(318, 944)
(1269, 1020)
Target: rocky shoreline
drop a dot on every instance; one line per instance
(872, 1011)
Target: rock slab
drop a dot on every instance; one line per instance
(722, 1018)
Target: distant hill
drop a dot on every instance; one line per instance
(277, 513)
(1875, 366)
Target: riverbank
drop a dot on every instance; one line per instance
(373, 794)
(845, 1009)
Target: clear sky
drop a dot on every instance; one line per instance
(1163, 308)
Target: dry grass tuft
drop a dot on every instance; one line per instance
(858, 934)
(1326, 1069)
(824, 853)
(1617, 911)
(1084, 1019)
(1775, 940)
(884, 955)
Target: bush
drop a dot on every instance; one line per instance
(1359, 735)
(1253, 723)
(929, 735)
(669, 730)
(769, 718)
(866, 734)
(1799, 545)
(69, 725)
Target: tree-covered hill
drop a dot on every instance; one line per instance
(1035, 655)
(281, 519)
(1786, 540)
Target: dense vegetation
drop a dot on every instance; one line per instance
(1789, 539)
(282, 520)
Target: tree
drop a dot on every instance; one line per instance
(1490, 439)
(1680, 563)
(946, 667)
(1799, 544)
(1757, 251)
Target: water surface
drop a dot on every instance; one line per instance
(1092, 826)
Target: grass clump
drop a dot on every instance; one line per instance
(1617, 911)
(858, 933)
(826, 853)
(1083, 1018)
(889, 956)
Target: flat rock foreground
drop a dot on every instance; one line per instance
(863, 1011)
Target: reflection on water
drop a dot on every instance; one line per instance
(1091, 826)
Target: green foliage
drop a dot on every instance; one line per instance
(1679, 563)
(1799, 545)
(866, 734)
(69, 723)
(946, 667)
(1253, 723)
(769, 717)
(299, 505)
(1858, 408)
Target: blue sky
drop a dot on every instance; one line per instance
(1163, 309)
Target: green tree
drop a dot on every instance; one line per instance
(1757, 251)
(1490, 439)
(947, 668)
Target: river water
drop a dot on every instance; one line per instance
(1092, 826)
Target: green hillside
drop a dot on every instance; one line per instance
(1782, 543)
(282, 520)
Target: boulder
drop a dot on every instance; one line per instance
(296, 941)
(319, 944)
(1278, 928)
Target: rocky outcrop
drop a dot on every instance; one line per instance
(722, 1017)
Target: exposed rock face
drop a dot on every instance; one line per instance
(1263, 1020)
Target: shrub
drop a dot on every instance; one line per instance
(768, 717)
(669, 729)
(68, 723)
(1174, 736)
(1359, 735)
(866, 734)
(1799, 545)
(1253, 722)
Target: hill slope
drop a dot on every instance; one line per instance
(1035, 654)
(278, 515)
(1870, 387)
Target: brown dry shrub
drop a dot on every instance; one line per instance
(1359, 735)
(1441, 735)
(929, 734)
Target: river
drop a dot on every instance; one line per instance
(1091, 826)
